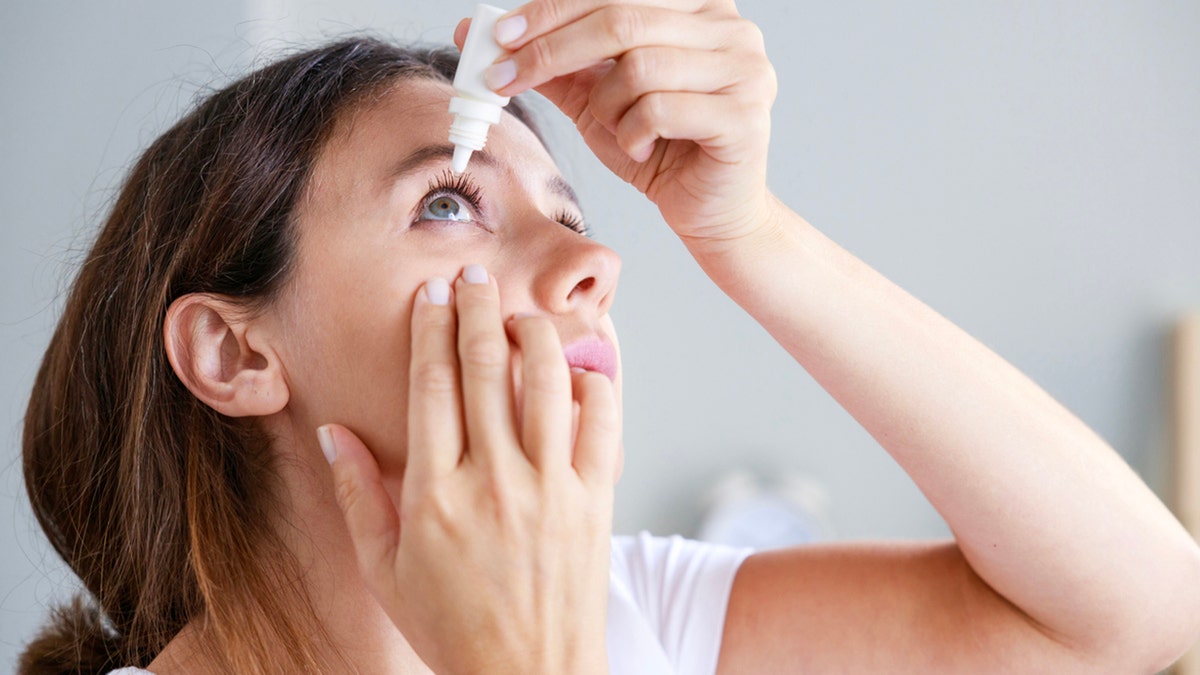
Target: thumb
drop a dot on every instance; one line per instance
(460, 33)
(370, 515)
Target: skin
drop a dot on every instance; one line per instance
(1062, 560)
(354, 338)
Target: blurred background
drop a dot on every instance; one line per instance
(1030, 170)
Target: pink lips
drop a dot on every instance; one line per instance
(592, 354)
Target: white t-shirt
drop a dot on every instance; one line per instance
(666, 605)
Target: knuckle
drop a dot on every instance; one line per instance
(431, 508)
(434, 377)
(608, 422)
(497, 501)
(758, 120)
(741, 35)
(767, 82)
(551, 12)
(482, 352)
(751, 35)
(544, 377)
(437, 322)
(347, 494)
(541, 54)
(651, 109)
(603, 426)
(757, 82)
(635, 68)
(624, 25)
(604, 107)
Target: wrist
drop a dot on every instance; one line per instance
(768, 230)
(758, 223)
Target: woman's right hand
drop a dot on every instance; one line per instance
(495, 556)
(673, 96)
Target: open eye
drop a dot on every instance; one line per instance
(446, 206)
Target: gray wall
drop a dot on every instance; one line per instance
(1031, 170)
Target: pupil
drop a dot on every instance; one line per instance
(445, 207)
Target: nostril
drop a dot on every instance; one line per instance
(586, 284)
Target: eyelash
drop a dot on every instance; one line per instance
(572, 222)
(463, 186)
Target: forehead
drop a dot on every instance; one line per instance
(411, 115)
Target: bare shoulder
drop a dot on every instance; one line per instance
(895, 608)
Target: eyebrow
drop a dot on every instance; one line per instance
(559, 186)
(429, 154)
(444, 152)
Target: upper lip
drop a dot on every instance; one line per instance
(592, 353)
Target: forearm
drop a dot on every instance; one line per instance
(1045, 512)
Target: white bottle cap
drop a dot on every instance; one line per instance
(476, 107)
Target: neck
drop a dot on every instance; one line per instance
(359, 634)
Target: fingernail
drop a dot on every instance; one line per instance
(510, 29)
(577, 369)
(644, 154)
(475, 274)
(437, 290)
(325, 437)
(500, 74)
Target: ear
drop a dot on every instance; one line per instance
(223, 357)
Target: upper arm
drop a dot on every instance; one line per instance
(879, 608)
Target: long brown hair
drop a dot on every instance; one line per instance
(158, 503)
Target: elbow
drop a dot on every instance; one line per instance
(1188, 632)
(1170, 620)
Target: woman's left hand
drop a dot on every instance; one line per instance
(674, 96)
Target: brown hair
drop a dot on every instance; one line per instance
(158, 503)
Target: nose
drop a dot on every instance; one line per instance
(574, 273)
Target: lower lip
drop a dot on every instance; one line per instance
(595, 355)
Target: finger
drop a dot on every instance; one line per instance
(435, 419)
(599, 437)
(649, 69)
(546, 393)
(605, 34)
(483, 356)
(537, 18)
(371, 517)
(460, 32)
(715, 122)
(569, 93)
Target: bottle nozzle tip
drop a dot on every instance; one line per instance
(462, 155)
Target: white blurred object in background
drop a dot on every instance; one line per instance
(746, 511)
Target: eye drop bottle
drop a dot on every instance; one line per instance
(476, 107)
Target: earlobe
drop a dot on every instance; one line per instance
(212, 345)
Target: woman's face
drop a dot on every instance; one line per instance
(382, 215)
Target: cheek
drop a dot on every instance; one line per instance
(346, 355)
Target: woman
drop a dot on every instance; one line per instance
(291, 276)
